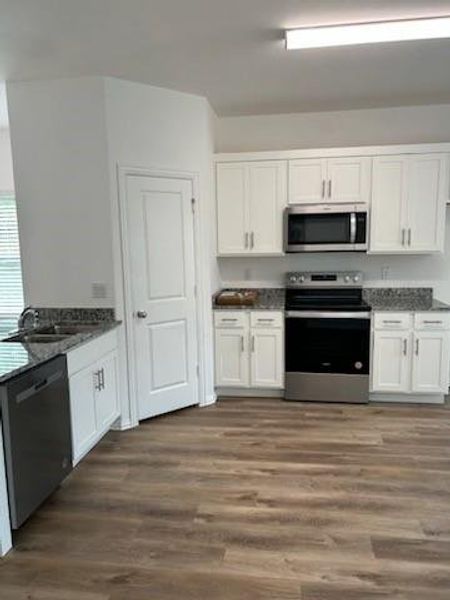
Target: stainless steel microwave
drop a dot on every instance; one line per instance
(326, 228)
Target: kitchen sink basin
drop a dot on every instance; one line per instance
(72, 329)
(36, 338)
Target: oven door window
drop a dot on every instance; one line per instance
(315, 345)
(311, 229)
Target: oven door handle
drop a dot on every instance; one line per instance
(353, 228)
(316, 314)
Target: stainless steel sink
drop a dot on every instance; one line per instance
(36, 338)
(71, 329)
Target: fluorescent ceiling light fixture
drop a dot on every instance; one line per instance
(368, 33)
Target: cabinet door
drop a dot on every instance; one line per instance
(427, 175)
(307, 180)
(390, 362)
(232, 209)
(430, 362)
(232, 357)
(267, 193)
(106, 397)
(266, 363)
(348, 180)
(82, 408)
(389, 193)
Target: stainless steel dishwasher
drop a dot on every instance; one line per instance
(35, 414)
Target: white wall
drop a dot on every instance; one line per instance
(59, 146)
(336, 129)
(6, 169)
(402, 125)
(155, 128)
(68, 138)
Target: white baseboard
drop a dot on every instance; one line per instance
(212, 399)
(408, 398)
(250, 392)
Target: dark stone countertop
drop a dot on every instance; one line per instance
(403, 300)
(16, 357)
(268, 299)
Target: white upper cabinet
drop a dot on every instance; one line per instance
(232, 209)
(388, 228)
(427, 179)
(343, 180)
(267, 193)
(307, 181)
(349, 180)
(408, 203)
(250, 201)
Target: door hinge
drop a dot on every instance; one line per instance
(193, 204)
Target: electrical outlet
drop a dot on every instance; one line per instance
(99, 290)
(385, 272)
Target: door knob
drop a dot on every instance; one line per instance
(141, 314)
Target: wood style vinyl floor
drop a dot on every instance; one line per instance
(251, 499)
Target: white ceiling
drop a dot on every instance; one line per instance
(228, 50)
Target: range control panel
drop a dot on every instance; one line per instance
(295, 279)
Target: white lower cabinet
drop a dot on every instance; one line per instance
(249, 349)
(93, 389)
(231, 358)
(430, 370)
(390, 362)
(266, 361)
(411, 353)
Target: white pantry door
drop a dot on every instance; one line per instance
(160, 237)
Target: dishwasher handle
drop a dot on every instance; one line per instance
(37, 387)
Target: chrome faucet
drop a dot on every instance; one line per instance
(28, 312)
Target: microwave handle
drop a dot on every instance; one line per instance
(353, 228)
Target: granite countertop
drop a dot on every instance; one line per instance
(403, 300)
(268, 299)
(17, 357)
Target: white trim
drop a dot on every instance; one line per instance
(5, 525)
(407, 398)
(333, 152)
(123, 286)
(223, 393)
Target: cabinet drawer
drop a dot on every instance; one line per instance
(85, 355)
(432, 320)
(266, 318)
(230, 318)
(391, 320)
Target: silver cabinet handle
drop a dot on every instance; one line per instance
(242, 343)
(391, 322)
(252, 240)
(329, 188)
(141, 314)
(417, 347)
(403, 236)
(432, 322)
(405, 347)
(253, 343)
(246, 239)
(97, 383)
(323, 187)
(409, 236)
(102, 378)
(228, 320)
(261, 320)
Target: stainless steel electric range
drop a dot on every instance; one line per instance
(327, 349)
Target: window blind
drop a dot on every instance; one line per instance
(11, 287)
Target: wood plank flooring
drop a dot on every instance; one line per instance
(251, 499)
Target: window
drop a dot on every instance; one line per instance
(11, 288)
